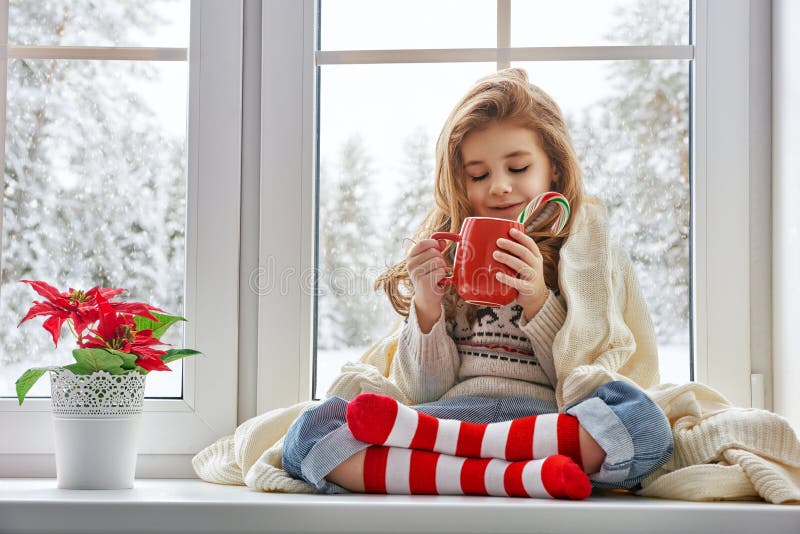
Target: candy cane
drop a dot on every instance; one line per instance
(546, 202)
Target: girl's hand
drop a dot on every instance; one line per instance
(524, 257)
(426, 268)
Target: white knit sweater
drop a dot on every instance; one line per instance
(721, 451)
(498, 354)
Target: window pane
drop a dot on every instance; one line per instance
(95, 188)
(605, 22)
(631, 132)
(158, 23)
(378, 128)
(370, 25)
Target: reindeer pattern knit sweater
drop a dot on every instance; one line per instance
(498, 354)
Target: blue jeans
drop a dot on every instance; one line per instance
(625, 422)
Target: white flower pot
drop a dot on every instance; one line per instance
(96, 420)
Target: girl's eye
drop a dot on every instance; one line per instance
(484, 175)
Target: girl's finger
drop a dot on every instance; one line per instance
(517, 283)
(437, 272)
(418, 259)
(515, 263)
(518, 250)
(432, 265)
(422, 246)
(427, 266)
(527, 241)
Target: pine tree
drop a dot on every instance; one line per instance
(348, 247)
(415, 194)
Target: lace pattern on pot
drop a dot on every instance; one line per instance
(99, 393)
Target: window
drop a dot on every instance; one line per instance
(110, 179)
(302, 140)
(642, 92)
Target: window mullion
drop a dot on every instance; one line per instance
(785, 217)
(284, 279)
(503, 33)
(721, 271)
(482, 55)
(99, 52)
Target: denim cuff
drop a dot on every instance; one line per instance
(608, 431)
(330, 451)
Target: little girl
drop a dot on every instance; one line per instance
(482, 382)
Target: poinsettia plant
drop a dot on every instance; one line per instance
(114, 336)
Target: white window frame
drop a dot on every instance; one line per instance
(785, 81)
(731, 200)
(173, 430)
(285, 257)
(729, 156)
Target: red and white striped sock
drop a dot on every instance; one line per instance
(396, 471)
(381, 420)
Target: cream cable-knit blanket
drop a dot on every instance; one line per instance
(721, 452)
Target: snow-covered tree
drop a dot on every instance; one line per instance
(415, 195)
(635, 152)
(350, 249)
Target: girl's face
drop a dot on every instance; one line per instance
(505, 168)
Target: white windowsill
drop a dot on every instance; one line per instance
(36, 505)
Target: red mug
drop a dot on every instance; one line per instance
(474, 267)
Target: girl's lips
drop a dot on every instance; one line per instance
(517, 206)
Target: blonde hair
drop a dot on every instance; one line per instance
(506, 95)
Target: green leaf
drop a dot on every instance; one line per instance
(79, 369)
(97, 359)
(177, 354)
(158, 327)
(29, 378)
(128, 360)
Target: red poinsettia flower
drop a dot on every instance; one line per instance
(79, 306)
(118, 332)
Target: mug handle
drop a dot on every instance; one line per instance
(450, 236)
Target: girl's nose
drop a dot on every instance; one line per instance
(500, 185)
